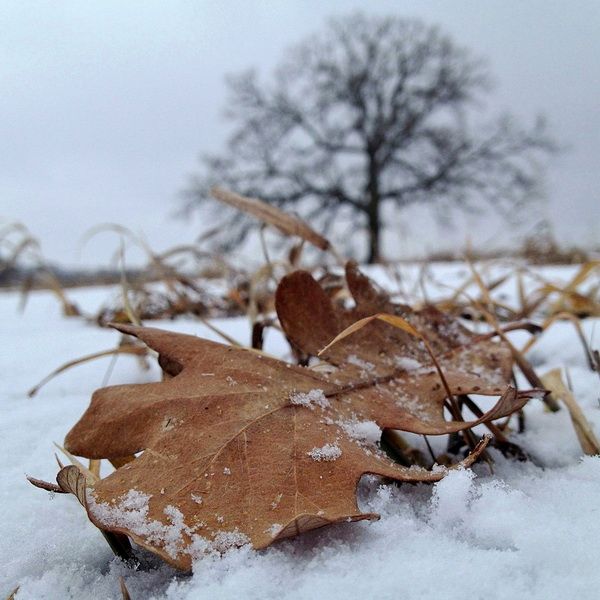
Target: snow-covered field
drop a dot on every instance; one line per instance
(527, 531)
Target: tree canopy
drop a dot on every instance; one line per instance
(368, 113)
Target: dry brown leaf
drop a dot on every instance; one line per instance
(236, 448)
(72, 481)
(46, 485)
(398, 383)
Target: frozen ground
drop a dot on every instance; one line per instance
(525, 532)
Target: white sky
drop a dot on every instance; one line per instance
(105, 106)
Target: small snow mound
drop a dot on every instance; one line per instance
(328, 452)
(407, 363)
(452, 495)
(225, 540)
(310, 399)
(363, 432)
(219, 545)
(135, 500)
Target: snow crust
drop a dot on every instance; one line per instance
(530, 530)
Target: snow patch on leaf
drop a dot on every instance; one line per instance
(310, 399)
(407, 363)
(328, 452)
(359, 362)
(363, 432)
(131, 512)
(222, 542)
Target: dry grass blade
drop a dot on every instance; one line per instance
(27, 246)
(577, 324)
(259, 296)
(220, 332)
(124, 590)
(584, 272)
(526, 368)
(569, 298)
(589, 443)
(69, 309)
(518, 326)
(521, 293)
(165, 271)
(273, 216)
(58, 462)
(129, 311)
(399, 323)
(13, 594)
(403, 453)
(94, 467)
(573, 301)
(81, 468)
(122, 349)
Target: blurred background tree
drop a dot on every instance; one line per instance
(371, 112)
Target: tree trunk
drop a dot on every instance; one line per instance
(373, 210)
(374, 234)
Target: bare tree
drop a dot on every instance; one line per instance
(371, 112)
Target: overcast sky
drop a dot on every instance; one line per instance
(105, 106)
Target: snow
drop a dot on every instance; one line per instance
(310, 399)
(131, 512)
(328, 453)
(359, 362)
(407, 363)
(367, 433)
(529, 530)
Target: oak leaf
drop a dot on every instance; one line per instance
(236, 448)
